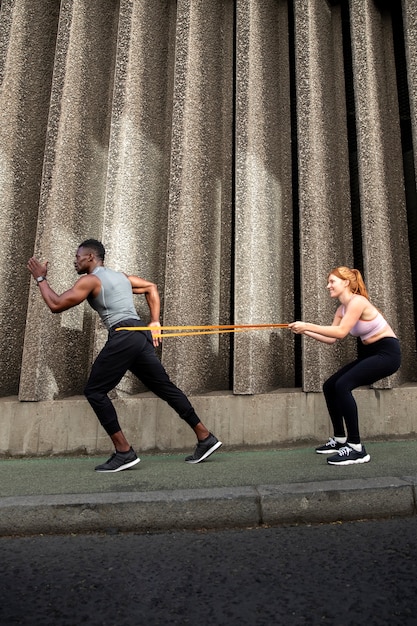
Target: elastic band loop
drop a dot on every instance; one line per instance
(187, 331)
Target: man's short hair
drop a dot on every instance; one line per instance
(95, 246)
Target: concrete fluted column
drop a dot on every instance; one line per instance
(323, 164)
(384, 219)
(264, 288)
(198, 255)
(409, 9)
(27, 47)
(137, 189)
(57, 349)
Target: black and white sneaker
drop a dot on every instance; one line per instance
(331, 446)
(349, 456)
(203, 449)
(119, 461)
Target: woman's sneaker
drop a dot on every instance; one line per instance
(119, 461)
(349, 456)
(331, 446)
(203, 449)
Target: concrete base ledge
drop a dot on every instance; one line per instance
(218, 508)
(69, 426)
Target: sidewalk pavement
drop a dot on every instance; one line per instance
(232, 489)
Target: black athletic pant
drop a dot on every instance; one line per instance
(377, 360)
(132, 350)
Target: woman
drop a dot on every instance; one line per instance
(381, 357)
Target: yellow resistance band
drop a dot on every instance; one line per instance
(186, 331)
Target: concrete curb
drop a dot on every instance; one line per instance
(217, 508)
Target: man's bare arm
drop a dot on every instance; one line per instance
(150, 290)
(70, 298)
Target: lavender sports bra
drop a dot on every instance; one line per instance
(367, 329)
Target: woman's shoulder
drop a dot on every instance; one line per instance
(369, 310)
(358, 301)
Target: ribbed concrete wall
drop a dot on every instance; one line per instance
(231, 151)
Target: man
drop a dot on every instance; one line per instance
(110, 293)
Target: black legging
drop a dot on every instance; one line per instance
(377, 360)
(132, 350)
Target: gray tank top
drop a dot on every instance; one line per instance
(114, 303)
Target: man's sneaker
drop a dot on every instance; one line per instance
(203, 449)
(349, 456)
(331, 446)
(119, 461)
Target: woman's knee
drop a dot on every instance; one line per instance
(328, 386)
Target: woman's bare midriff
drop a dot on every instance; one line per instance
(385, 332)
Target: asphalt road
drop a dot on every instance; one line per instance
(340, 574)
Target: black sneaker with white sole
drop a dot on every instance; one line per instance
(119, 461)
(349, 456)
(203, 449)
(330, 447)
